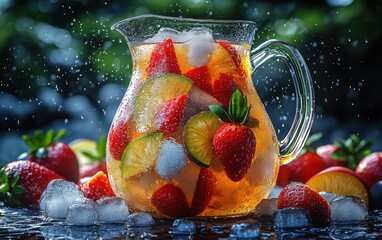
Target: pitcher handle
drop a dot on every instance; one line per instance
(294, 141)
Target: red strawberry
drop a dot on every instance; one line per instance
(97, 187)
(163, 59)
(346, 153)
(83, 180)
(118, 139)
(223, 88)
(305, 166)
(98, 160)
(234, 54)
(369, 169)
(201, 78)
(90, 170)
(284, 176)
(170, 113)
(325, 152)
(235, 146)
(204, 190)
(57, 156)
(171, 201)
(300, 195)
(234, 143)
(24, 181)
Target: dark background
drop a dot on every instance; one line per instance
(62, 66)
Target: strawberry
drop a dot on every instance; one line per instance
(345, 153)
(283, 176)
(163, 60)
(223, 88)
(300, 195)
(234, 143)
(57, 156)
(234, 54)
(170, 113)
(306, 165)
(97, 187)
(171, 201)
(201, 78)
(98, 160)
(369, 169)
(118, 139)
(23, 182)
(204, 190)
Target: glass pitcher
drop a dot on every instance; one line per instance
(191, 138)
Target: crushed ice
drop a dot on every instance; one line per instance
(171, 159)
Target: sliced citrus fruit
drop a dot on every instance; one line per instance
(198, 135)
(154, 92)
(140, 154)
(83, 145)
(341, 181)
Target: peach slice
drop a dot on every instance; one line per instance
(341, 181)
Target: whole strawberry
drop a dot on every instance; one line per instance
(300, 195)
(234, 143)
(345, 152)
(369, 169)
(97, 160)
(57, 156)
(23, 182)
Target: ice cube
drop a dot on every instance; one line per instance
(245, 230)
(183, 227)
(275, 191)
(291, 217)
(165, 33)
(58, 197)
(112, 209)
(266, 207)
(140, 219)
(82, 214)
(201, 46)
(171, 159)
(348, 208)
(328, 196)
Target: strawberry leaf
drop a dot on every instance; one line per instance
(221, 112)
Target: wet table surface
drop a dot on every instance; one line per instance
(30, 224)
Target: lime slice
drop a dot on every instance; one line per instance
(80, 145)
(154, 92)
(140, 154)
(198, 136)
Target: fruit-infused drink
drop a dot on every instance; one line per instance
(191, 136)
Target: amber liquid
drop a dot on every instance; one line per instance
(230, 198)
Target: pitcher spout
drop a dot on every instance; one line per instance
(137, 30)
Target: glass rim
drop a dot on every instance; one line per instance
(182, 19)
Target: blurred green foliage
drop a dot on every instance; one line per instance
(68, 45)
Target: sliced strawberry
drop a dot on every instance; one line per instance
(170, 113)
(223, 88)
(97, 187)
(300, 195)
(118, 139)
(201, 78)
(234, 54)
(204, 190)
(163, 59)
(171, 201)
(24, 181)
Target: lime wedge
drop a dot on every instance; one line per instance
(140, 154)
